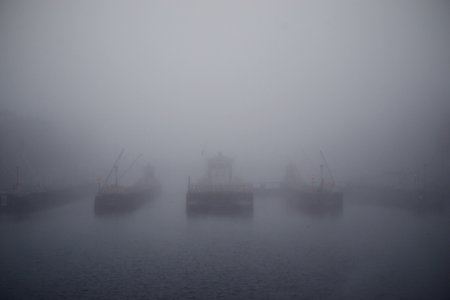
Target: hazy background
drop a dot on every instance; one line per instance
(265, 82)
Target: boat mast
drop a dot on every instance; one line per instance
(322, 181)
(17, 186)
(115, 168)
(425, 169)
(328, 167)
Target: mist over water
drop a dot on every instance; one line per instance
(160, 252)
(348, 98)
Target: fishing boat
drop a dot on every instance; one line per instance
(123, 198)
(321, 197)
(26, 198)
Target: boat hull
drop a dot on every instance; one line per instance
(123, 201)
(31, 201)
(316, 201)
(219, 202)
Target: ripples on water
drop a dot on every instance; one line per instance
(278, 251)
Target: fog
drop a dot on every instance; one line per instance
(366, 82)
(266, 83)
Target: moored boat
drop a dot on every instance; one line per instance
(312, 197)
(26, 197)
(219, 190)
(123, 198)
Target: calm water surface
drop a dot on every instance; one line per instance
(278, 252)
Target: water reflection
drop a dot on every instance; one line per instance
(206, 252)
(314, 208)
(17, 216)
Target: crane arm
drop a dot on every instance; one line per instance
(327, 166)
(115, 165)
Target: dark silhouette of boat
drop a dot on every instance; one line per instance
(21, 198)
(124, 198)
(324, 197)
(219, 191)
(316, 199)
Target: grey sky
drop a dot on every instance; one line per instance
(364, 80)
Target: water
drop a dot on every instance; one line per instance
(278, 252)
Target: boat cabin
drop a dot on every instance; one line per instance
(219, 170)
